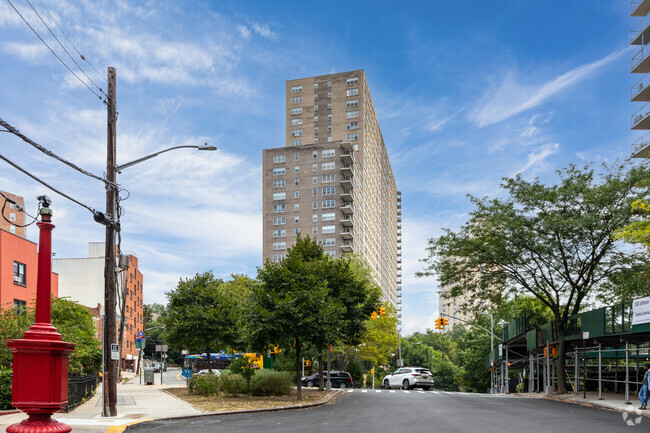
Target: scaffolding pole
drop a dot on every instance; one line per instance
(600, 372)
(627, 373)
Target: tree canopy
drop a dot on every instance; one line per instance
(554, 242)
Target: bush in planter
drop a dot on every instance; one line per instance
(355, 370)
(232, 383)
(269, 382)
(204, 384)
(5, 389)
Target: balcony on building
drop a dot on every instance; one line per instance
(399, 205)
(399, 247)
(399, 315)
(399, 211)
(641, 60)
(399, 260)
(641, 147)
(347, 169)
(640, 34)
(641, 119)
(399, 224)
(640, 91)
(347, 221)
(347, 208)
(347, 156)
(399, 301)
(399, 267)
(347, 246)
(640, 8)
(346, 194)
(399, 295)
(346, 182)
(347, 233)
(346, 145)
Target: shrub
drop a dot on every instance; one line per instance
(232, 383)
(521, 387)
(5, 389)
(355, 370)
(269, 382)
(244, 368)
(204, 384)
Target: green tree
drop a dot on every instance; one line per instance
(200, 316)
(473, 348)
(12, 326)
(552, 242)
(73, 321)
(379, 343)
(283, 305)
(76, 325)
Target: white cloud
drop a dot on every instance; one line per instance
(538, 157)
(244, 32)
(511, 97)
(264, 30)
(26, 51)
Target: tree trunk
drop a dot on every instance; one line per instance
(561, 358)
(209, 358)
(298, 367)
(321, 379)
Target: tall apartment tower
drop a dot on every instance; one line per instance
(333, 180)
(640, 38)
(451, 310)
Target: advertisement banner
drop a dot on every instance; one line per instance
(641, 311)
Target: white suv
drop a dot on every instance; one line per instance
(409, 377)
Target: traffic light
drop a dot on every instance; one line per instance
(307, 363)
(381, 312)
(372, 371)
(275, 350)
(438, 323)
(374, 315)
(443, 322)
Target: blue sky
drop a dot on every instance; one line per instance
(466, 93)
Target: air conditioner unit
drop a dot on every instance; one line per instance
(17, 279)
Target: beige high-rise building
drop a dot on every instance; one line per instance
(333, 180)
(450, 309)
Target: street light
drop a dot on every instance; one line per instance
(110, 220)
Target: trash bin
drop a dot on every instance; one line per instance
(148, 375)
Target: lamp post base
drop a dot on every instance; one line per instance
(39, 423)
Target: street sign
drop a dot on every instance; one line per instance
(140, 334)
(140, 343)
(115, 352)
(585, 335)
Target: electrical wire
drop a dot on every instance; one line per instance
(55, 54)
(64, 49)
(81, 56)
(20, 209)
(49, 153)
(13, 164)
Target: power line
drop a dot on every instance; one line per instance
(13, 164)
(49, 153)
(55, 55)
(81, 56)
(62, 46)
(19, 208)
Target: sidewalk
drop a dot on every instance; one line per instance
(136, 403)
(610, 401)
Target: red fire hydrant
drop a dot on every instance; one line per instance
(40, 363)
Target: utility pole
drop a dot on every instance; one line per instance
(110, 395)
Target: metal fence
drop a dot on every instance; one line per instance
(80, 389)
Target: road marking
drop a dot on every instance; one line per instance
(435, 392)
(421, 392)
(364, 390)
(392, 390)
(350, 390)
(407, 392)
(378, 390)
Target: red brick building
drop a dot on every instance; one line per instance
(18, 271)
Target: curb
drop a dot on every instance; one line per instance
(321, 402)
(598, 406)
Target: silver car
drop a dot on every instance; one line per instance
(409, 377)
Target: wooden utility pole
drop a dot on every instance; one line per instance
(111, 366)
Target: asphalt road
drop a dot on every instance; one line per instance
(414, 411)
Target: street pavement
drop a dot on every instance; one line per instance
(415, 411)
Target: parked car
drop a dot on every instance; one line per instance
(339, 379)
(156, 367)
(409, 377)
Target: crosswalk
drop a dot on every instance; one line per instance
(416, 391)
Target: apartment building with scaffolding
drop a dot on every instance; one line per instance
(333, 180)
(640, 92)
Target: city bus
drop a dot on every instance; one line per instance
(219, 361)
